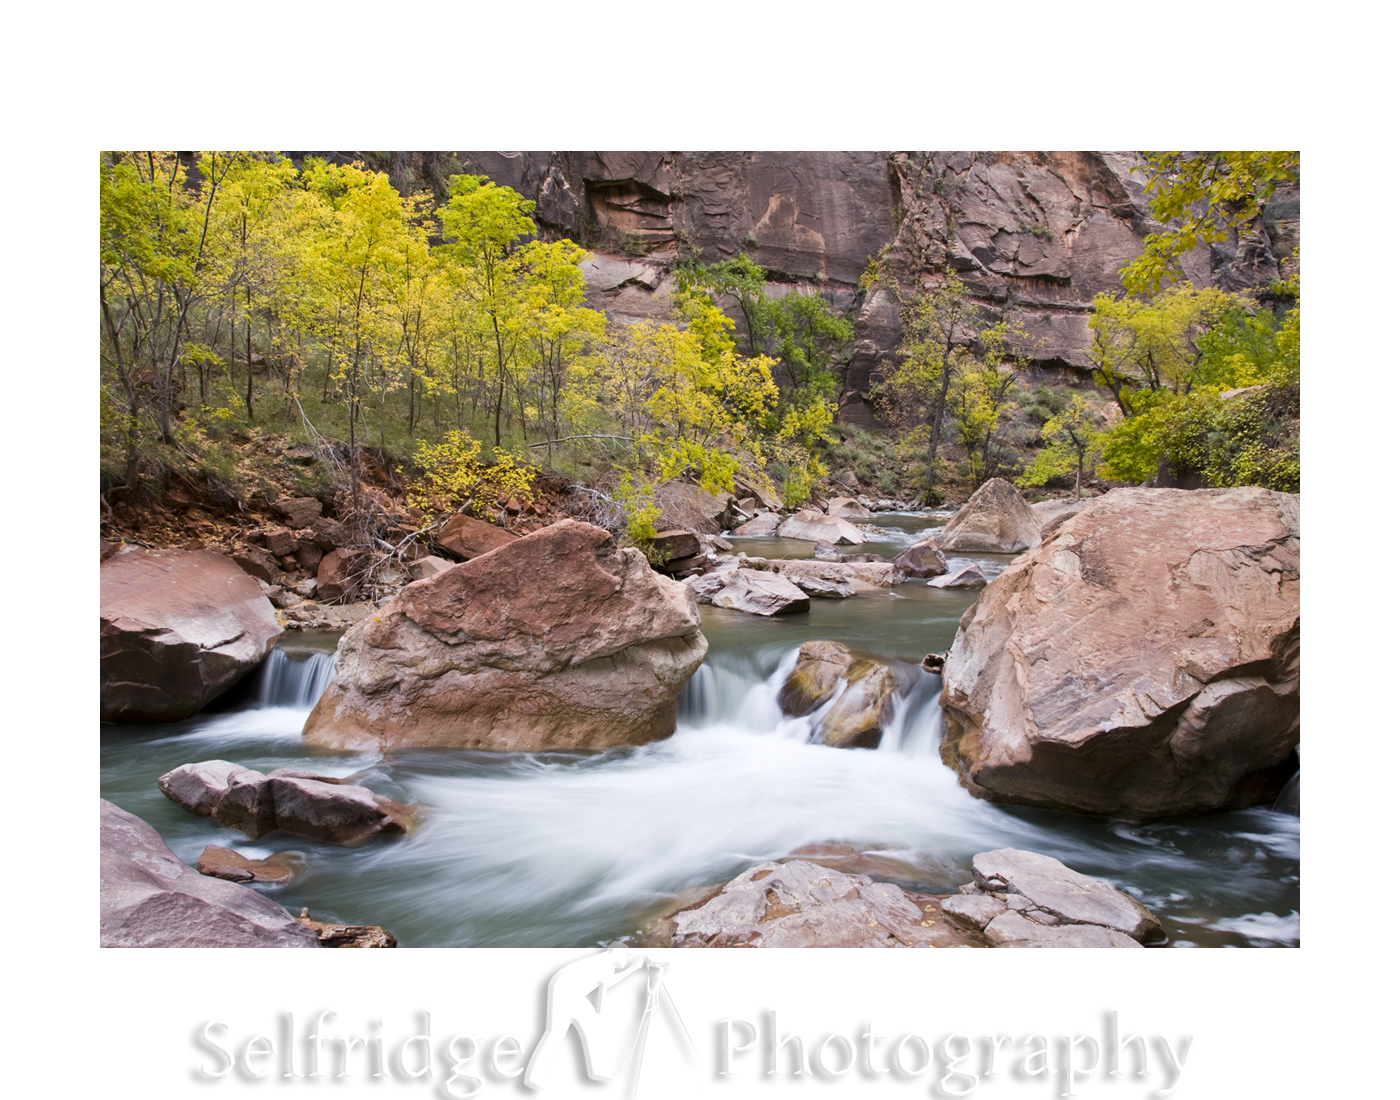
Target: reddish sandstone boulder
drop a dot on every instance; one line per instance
(177, 630)
(1142, 663)
(558, 640)
(467, 538)
(336, 575)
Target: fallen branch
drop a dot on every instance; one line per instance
(568, 438)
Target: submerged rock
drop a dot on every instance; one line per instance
(150, 899)
(864, 691)
(558, 641)
(1143, 663)
(995, 519)
(224, 863)
(177, 630)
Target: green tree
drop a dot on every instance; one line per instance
(1072, 442)
(1203, 198)
(946, 339)
(483, 224)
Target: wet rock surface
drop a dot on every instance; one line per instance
(863, 692)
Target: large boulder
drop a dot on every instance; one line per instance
(923, 559)
(692, 508)
(812, 526)
(177, 630)
(995, 519)
(863, 689)
(1143, 663)
(150, 899)
(465, 537)
(1052, 513)
(557, 641)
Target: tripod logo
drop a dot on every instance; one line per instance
(579, 998)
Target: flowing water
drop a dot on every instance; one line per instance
(563, 850)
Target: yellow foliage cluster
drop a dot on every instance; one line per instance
(455, 479)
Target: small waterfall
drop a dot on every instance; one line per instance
(739, 694)
(294, 678)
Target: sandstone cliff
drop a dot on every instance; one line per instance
(1035, 235)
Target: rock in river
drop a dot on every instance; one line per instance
(1142, 663)
(150, 899)
(750, 590)
(558, 641)
(814, 527)
(864, 692)
(923, 559)
(1019, 899)
(994, 520)
(177, 630)
(315, 807)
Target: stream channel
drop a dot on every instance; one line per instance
(565, 850)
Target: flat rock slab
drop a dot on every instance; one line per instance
(801, 904)
(812, 526)
(150, 899)
(224, 863)
(300, 803)
(1054, 889)
(178, 629)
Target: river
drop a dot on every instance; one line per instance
(564, 850)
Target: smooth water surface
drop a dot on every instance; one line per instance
(561, 850)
